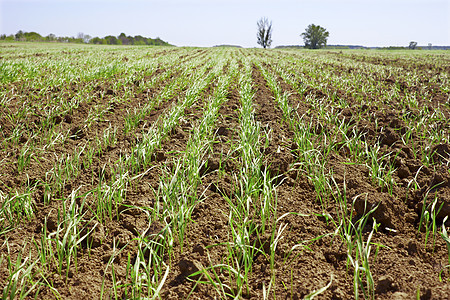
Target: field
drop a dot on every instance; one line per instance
(195, 173)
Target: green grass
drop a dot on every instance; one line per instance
(129, 110)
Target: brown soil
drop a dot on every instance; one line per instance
(404, 266)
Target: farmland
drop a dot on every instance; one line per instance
(194, 173)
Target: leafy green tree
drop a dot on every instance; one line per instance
(315, 36)
(140, 40)
(19, 35)
(264, 34)
(125, 40)
(32, 36)
(112, 40)
(5, 37)
(159, 42)
(97, 40)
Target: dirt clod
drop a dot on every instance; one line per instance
(385, 284)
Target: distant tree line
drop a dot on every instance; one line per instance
(228, 46)
(82, 38)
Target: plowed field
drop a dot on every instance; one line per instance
(191, 173)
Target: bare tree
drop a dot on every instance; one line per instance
(264, 35)
(85, 38)
(412, 45)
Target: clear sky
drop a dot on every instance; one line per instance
(213, 22)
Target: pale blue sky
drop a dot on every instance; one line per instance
(212, 22)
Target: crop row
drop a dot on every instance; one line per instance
(140, 173)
